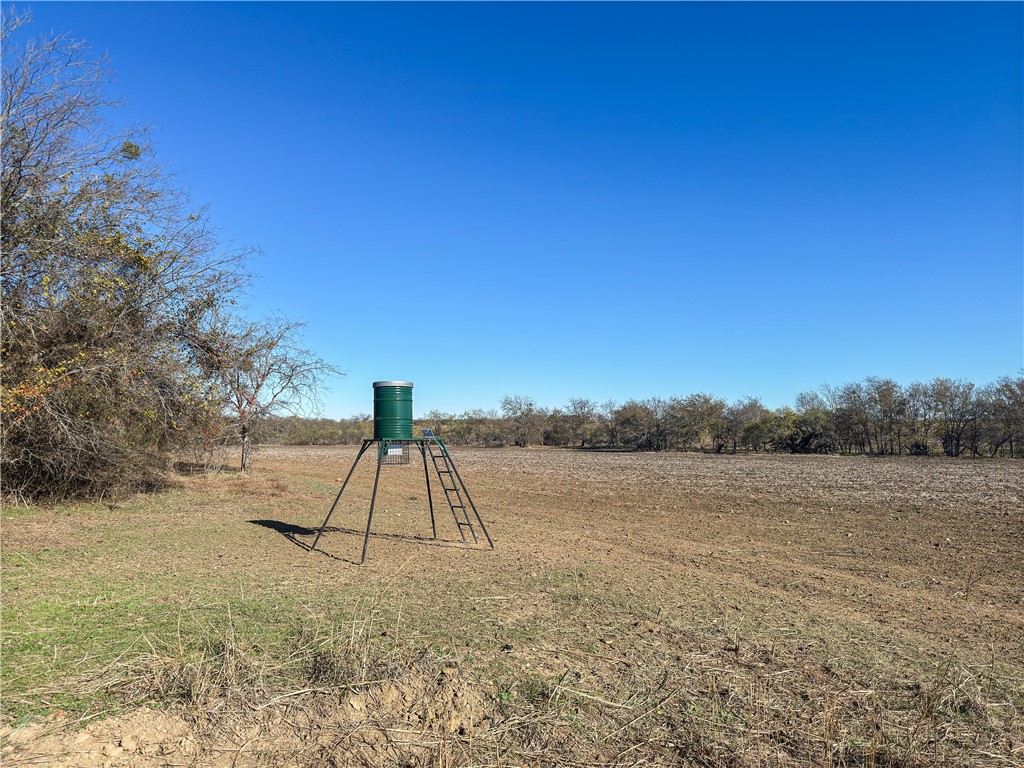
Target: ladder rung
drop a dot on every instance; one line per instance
(452, 494)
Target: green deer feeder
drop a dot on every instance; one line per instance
(392, 436)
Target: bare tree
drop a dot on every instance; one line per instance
(262, 371)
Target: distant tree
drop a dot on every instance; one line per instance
(355, 429)
(641, 425)
(524, 420)
(810, 401)
(605, 433)
(636, 426)
(956, 407)
(455, 429)
(739, 416)
(1005, 400)
(806, 432)
(697, 420)
(843, 411)
(999, 419)
(887, 408)
(856, 417)
(440, 423)
(921, 415)
(837, 412)
(582, 415)
(776, 430)
(483, 428)
(757, 435)
(557, 428)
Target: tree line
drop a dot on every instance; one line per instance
(120, 336)
(874, 416)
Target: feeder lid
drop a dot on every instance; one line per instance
(392, 383)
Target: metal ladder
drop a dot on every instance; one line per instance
(450, 481)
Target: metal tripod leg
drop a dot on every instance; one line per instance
(362, 450)
(430, 499)
(373, 499)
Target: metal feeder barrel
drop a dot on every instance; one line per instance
(392, 410)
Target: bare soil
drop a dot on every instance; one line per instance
(639, 609)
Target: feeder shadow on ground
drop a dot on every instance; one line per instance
(291, 532)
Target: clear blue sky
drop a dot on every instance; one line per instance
(601, 200)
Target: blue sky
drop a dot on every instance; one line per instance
(601, 200)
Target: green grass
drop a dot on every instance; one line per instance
(130, 590)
